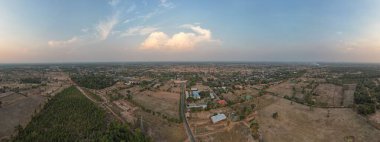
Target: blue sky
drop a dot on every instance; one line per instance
(198, 30)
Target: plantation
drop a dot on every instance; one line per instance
(93, 81)
(70, 116)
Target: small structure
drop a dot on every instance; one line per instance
(187, 114)
(222, 102)
(195, 95)
(212, 95)
(190, 106)
(247, 97)
(217, 118)
(187, 94)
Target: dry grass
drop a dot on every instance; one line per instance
(330, 94)
(163, 102)
(297, 123)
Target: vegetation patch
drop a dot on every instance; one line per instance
(93, 81)
(70, 116)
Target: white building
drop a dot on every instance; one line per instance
(217, 118)
(212, 95)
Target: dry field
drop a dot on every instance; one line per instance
(297, 123)
(204, 130)
(252, 92)
(375, 119)
(236, 132)
(164, 102)
(348, 94)
(161, 130)
(282, 89)
(230, 97)
(329, 94)
(17, 109)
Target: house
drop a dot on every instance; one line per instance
(217, 118)
(195, 95)
(187, 94)
(222, 102)
(212, 95)
(189, 106)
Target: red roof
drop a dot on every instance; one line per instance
(222, 102)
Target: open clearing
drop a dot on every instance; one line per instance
(296, 123)
(329, 94)
(237, 132)
(348, 94)
(161, 130)
(18, 110)
(282, 89)
(163, 102)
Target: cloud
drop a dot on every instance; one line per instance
(179, 41)
(113, 2)
(139, 30)
(149, 15)
(131, 8)
(166, 4)
(104, 28)
(156, 40)
(54, 43)
(128, 20)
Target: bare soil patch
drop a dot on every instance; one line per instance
(329, 94)
(164, 102)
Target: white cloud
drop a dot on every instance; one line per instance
(54, 43)
(113, 2)
(166, 4)
(179, 41)
(139, 30)
(85, 30)
(131, 8)
(149, 15)
(104, 28)
(127, 21)
(156, 40)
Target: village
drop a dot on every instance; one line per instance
(222, 102)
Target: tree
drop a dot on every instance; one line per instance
(275, 115)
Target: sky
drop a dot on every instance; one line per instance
(56, 31)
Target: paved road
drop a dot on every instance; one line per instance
(184, 119)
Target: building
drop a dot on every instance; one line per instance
(194, 89)
(195, 95)
(187, 94)
(189, 106)
(222, 102)
(217, 118)
(212, 95)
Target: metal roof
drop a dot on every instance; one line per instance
(218, 117)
